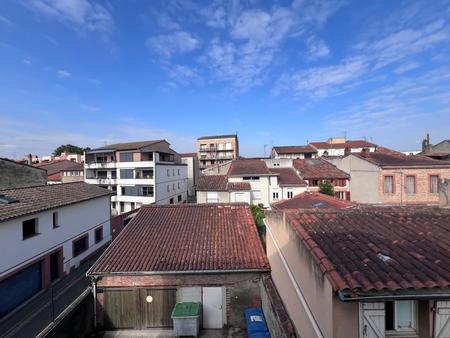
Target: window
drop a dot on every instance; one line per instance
(102, 174)
(178, 172)
(30, 228)
(126, 157)
(173, 172)
(147, 173)
(203, 147)
(126, 173)
(98, 235)
(168, 188)
(132, 205)
(55, 220)
(173, 186)
(228, 146)
(113, 174)
(113, 205)
(212, 197)
(147, 191)
(434, 183)
(178, 185)
(388, 184)
(290, 194)
(400, 315)
(410, 184)
(315, 183)
(275, 195)
(179, 198)
(80, 245)
(122, 206)
(168, 172)
(256, 194)
(250, 178)
(171, 201)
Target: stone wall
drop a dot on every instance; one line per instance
(17, 175)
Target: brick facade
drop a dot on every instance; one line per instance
(422, 189)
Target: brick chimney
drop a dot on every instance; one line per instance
(30, 159)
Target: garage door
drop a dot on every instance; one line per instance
(20, 287)
(138, 308)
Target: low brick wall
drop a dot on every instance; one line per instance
(277, 318)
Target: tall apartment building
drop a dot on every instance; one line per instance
(139, 172)
(217, 149)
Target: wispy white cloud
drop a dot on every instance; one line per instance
(184, 75)
(79, 14)
(5, 21)
(26, 62)
(171, 43)
(406, 67)
(370, 57)
(317, 48)
(90, 108)
(63, 73)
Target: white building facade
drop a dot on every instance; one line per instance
(138, 173)
(58, 227)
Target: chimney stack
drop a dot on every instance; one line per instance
(30, 159)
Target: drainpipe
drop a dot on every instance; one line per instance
(433, 324)
(94, 292)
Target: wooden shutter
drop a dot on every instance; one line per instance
(372, 322)
(442, 320)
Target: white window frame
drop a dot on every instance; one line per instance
(413, 327)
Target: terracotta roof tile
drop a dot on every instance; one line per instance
(385, 159)
(318, 168)
(369, 250)
(347, 144)
(186, 238)
(295, 149)
(313, 200)
(129, 145)
(235, 186)
(288, 177)
(31, 200)
(248, 167)
(55, 167)
(212, 183)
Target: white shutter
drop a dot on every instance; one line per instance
(372, 322)
(442, 324)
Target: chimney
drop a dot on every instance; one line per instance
(30, 159)
(365, 152)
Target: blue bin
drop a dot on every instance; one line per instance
(256, 323)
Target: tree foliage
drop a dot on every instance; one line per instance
(326, 188)
(69, 148)
(258, 217)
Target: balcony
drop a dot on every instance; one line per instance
(100, 165)
(101, 180)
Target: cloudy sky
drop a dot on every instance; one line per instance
(277, 73)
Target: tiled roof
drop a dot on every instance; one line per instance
(367, 250)
(212, 183)
(55, 167)
(347, 144)
(236, 186)
(129, 145)
(36, 199)
(295, 149)
(219, 183)
(313, 200)
(23, 163)
(318, 168)
(394, 160)
(288, 177)
(217, 136)
(188, 154)
(186, 238)
(248, 168)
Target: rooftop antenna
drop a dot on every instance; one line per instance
(265, 150)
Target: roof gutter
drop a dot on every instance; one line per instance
(345, 297)
(152, 273)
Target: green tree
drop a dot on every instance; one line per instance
(326, 188)
(258, 217)
(69, 148)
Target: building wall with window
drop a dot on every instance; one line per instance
(41, 248)
(69, 176)
(171, 183)
(212, 150)
(411, 185)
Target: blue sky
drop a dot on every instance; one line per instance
(280, 72)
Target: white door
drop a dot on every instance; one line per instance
(213, 308)
(239, 197)
(442, 323)
(371, 320)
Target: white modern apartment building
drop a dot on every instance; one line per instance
(45, 232)
(138, 173)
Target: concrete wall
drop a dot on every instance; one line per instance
(171, 181)
(364, 179)
(324, 312)
(15, 175)
(192, 174)
(74, 221)
(261, 185)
